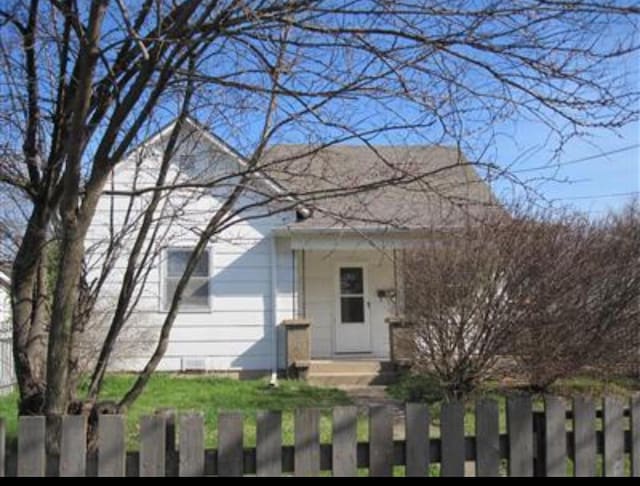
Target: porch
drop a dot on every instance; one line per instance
(347, 289)
(346, 296)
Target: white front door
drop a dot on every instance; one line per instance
(353, 330)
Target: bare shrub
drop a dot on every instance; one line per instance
(586, 303)
(550, 297)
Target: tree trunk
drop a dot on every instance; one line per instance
(28, 357)
(65, 300)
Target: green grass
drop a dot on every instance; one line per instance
(211, 395)
(425, 388)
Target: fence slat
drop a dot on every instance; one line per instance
(152, 446)
(520, 429)
(635, 435)
(3, 447)
(452, 437)
(555, 437)
(584, 437)
(487, 438)
(191, 445)
(613, 428)
(31, 446)
(307, 442)
(230, 442)
(345, 441)
(417, 439)
(73, 449)
(380, 441)
(269, 444)
(111, 446)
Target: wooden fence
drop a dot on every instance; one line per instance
(584, 440)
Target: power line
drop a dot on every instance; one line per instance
(578, 161)
(599, 196)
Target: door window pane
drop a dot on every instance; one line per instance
(352, 309)
(351, 281)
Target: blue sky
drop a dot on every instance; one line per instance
(587, 185)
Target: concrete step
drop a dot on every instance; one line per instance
(339, 379)
(355, 366)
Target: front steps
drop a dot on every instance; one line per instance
(350, 372)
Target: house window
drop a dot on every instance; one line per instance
(195, 296)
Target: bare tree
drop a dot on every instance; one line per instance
(80, 88)
(543, 296)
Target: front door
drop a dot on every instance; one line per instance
(353, 331)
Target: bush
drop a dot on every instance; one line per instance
(413, 387)
(556, 295)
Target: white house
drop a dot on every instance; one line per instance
(7, 374)
(335, 265)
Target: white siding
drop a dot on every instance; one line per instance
(5, 307)
(320, 296)
(237, 332)
(7, 374)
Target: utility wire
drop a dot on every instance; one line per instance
(599, 196)
(578, 161)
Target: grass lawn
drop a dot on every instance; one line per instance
(211, 395)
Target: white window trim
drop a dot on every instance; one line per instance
(164, 272)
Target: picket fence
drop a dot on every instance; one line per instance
(586, 440)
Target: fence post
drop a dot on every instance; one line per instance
(380, 441)
(520, 431)
(584, 437)
(111, 446)
(31, 446)
(230, 443)
(307, 442)
(73, 446)
(452, 439)
(487, 438)
(555, 433)
(269, 444)
(345, 441)
(417, 439)
(152, 446)
(191, 445)
(613, 429)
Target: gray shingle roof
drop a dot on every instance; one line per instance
(381, 187)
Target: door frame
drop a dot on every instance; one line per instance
(366, 301)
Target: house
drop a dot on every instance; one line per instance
(7, 374)
(330, 266)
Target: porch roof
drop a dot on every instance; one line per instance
(349, 239)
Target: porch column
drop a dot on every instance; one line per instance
(400, 341)
(298, 346)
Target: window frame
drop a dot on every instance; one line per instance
(164, 278)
